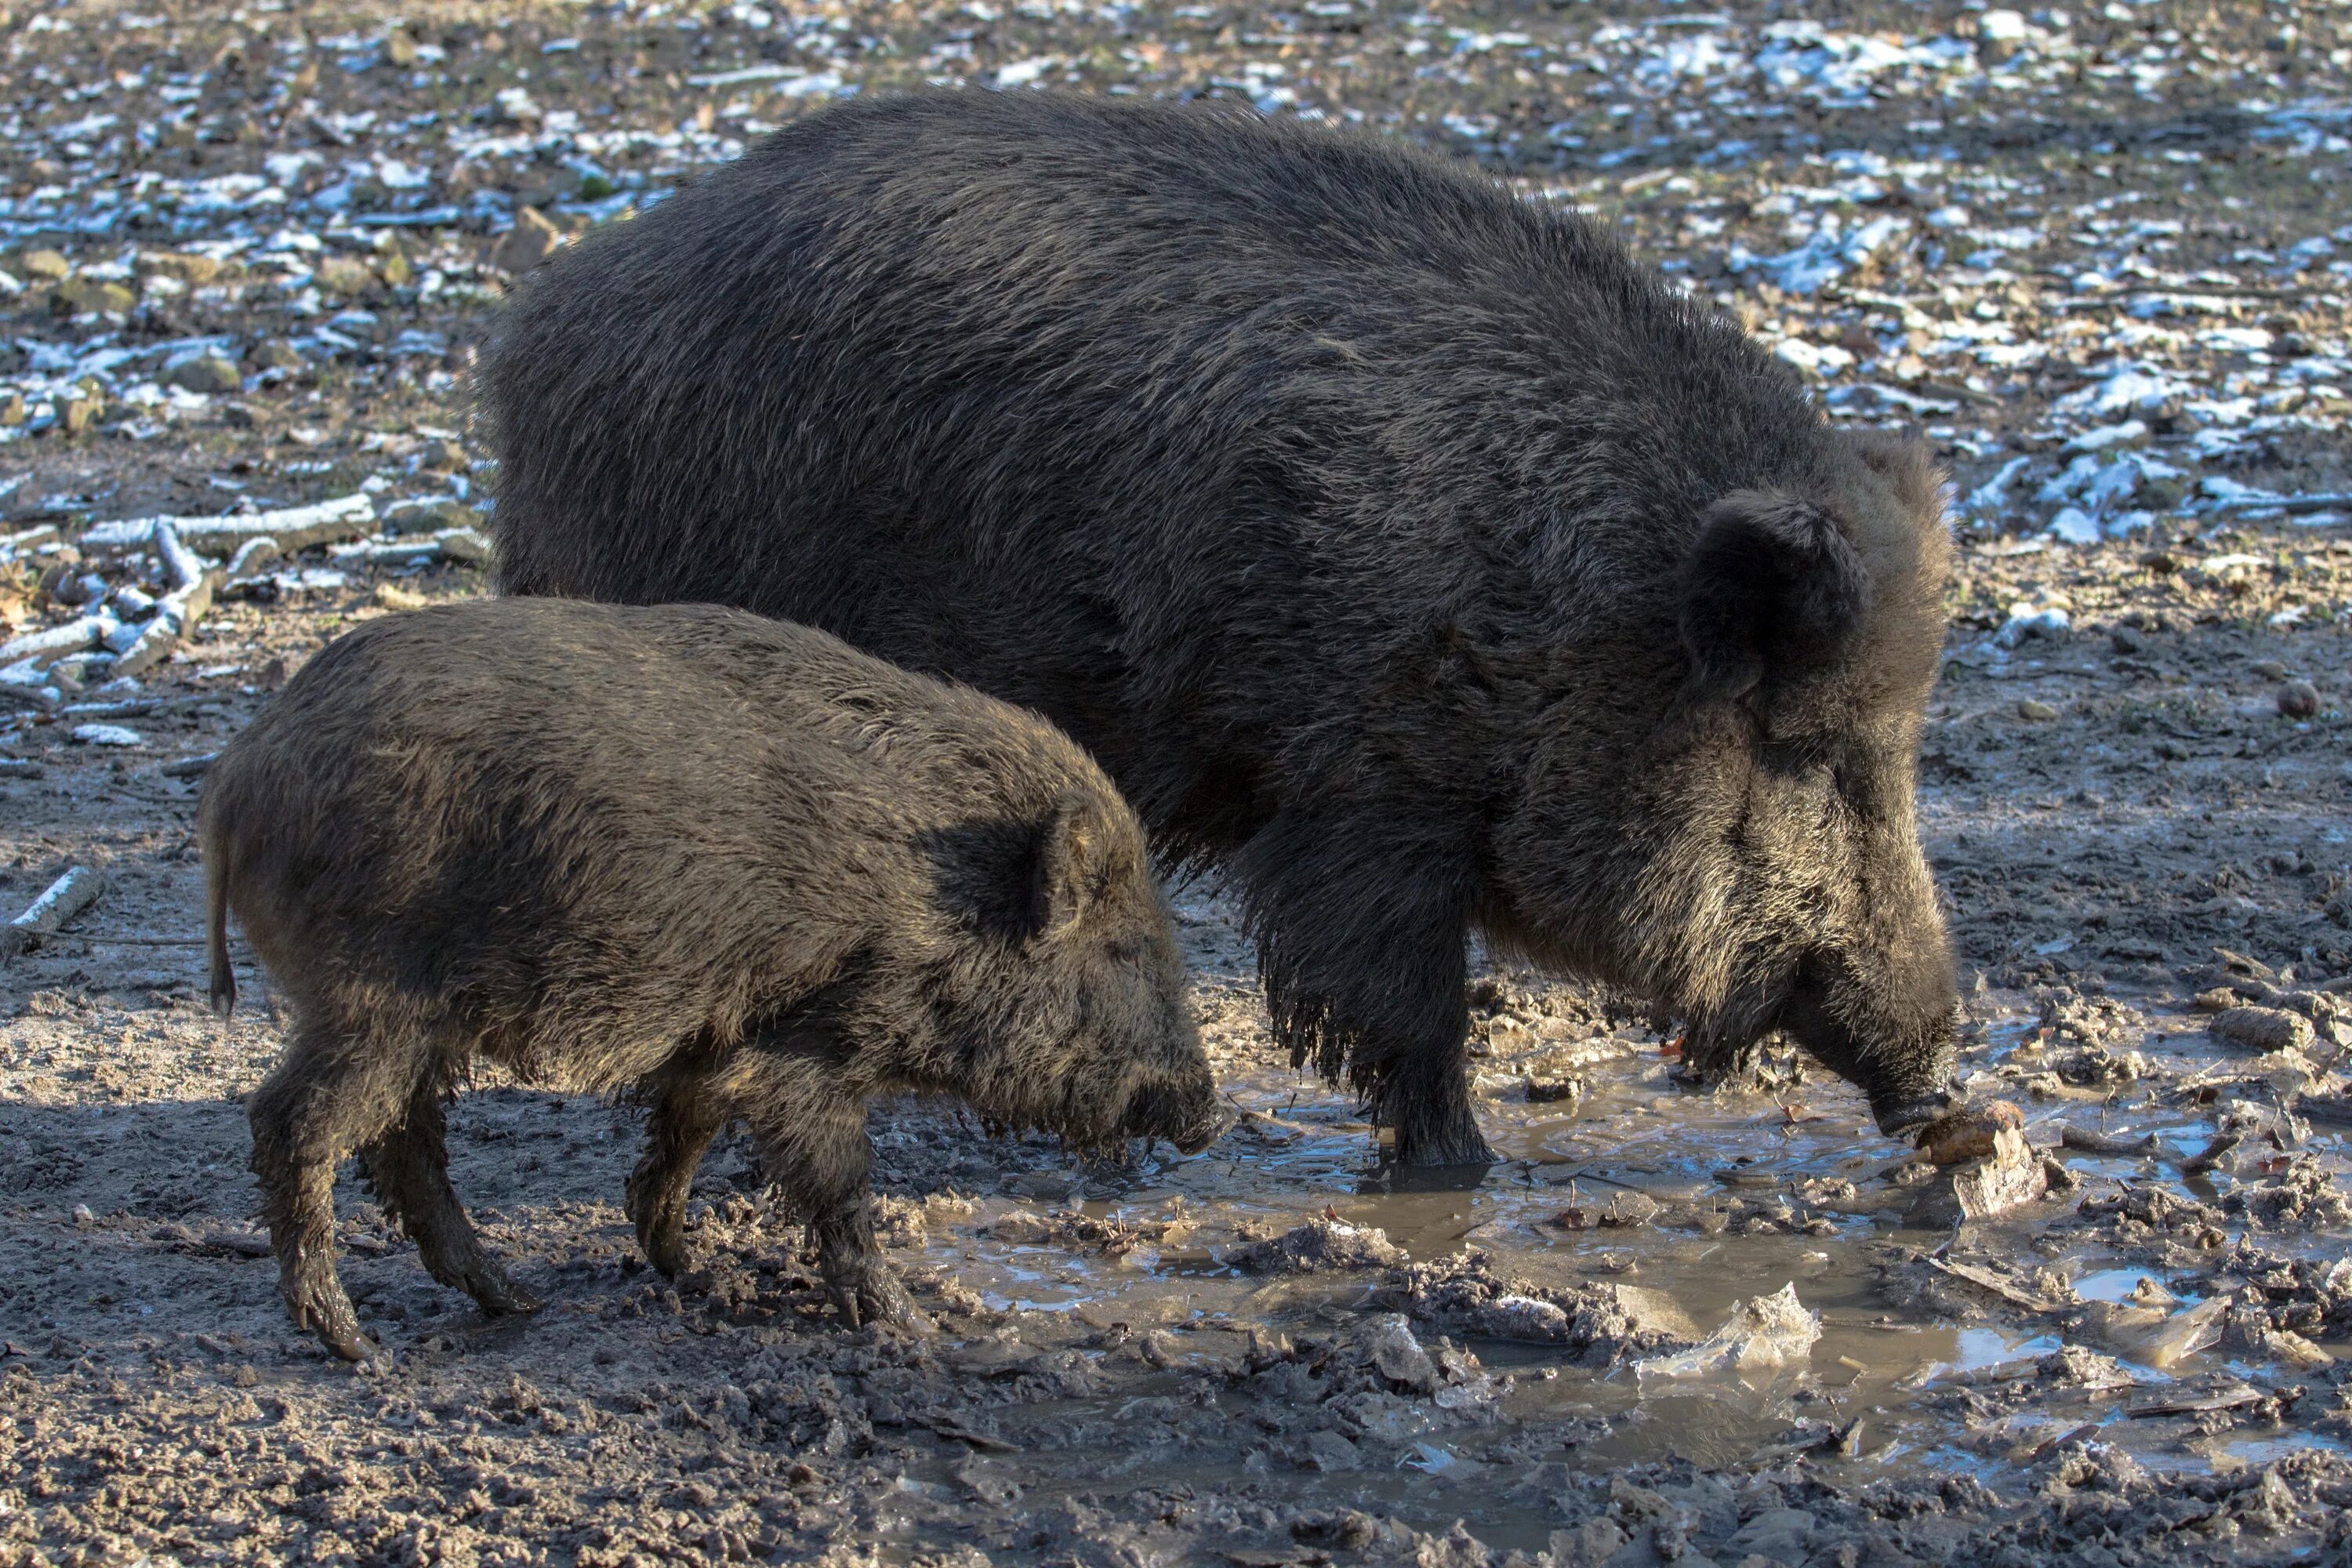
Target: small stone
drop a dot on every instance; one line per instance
(1552, 1090)
(189, 267)
(12, 408)
(443, 458)
(2262, 1028)
(2125, 640)
(2270, 669)
(400, 49)
(2000, 34)
(393, 596)
(206, 373)
(2039, 713)
(531, 241)
(394, 269)
(91, 295)
(2298, 699)
(78, 414)
(44, 266)
(344, 275)
(276, 353)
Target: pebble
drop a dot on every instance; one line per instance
(275, 353)
(344, 275)
(2298, 699)
(106, 735)
(206, 373)
(531, 241)
(2038, 711)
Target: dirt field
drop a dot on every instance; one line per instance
(2102, 258)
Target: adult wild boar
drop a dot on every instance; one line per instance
(1403, 550)
(731, 864)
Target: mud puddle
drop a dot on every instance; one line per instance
(1934, 1352)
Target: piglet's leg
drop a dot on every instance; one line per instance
(686, 1115)
(814, 1141)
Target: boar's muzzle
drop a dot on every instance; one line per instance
(1891, 1037)
(1191, 1119)
(1900, 1118)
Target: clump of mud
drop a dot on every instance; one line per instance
(1323, 1246)
(1601, 1325)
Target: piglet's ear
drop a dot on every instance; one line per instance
(1074, 848)
(1770, 586)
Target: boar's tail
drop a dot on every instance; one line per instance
(224, 986)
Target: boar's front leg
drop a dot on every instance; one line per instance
(814, 1141)
(686, 1115)
(1362, 945)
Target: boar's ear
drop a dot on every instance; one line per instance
(1769, 583)
(1068, 868)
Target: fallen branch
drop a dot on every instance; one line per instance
(66, 898)
(294, 528)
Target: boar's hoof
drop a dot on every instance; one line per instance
(877, 1298)
(1458, 1147)
(499, 1297)
(327, 1312)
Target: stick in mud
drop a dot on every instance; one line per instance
(2084, 1141)
(65, 897)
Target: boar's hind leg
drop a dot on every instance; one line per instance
(333, 1091)
(408, 1166)
(686, 1115)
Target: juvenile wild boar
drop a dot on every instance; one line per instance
(1402, 549)
(728, 863)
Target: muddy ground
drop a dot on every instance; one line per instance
(249, 252)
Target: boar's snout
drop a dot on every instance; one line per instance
(1186, 1114)
(1900, 1118)
(1894, 1037)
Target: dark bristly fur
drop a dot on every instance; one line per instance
(1404, 550)
(730, 863)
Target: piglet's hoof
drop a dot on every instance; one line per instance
(1968, 1134)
